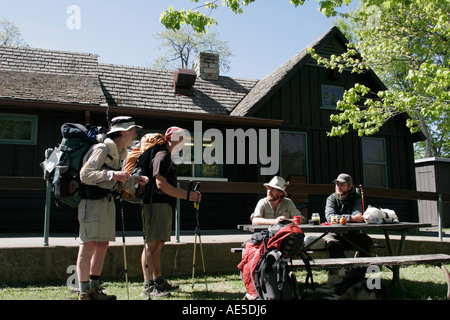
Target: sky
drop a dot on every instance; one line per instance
(268, 33)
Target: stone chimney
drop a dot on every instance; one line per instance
(206, 65)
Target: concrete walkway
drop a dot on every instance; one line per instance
(131, 238)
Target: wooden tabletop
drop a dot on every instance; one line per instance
(338, 228)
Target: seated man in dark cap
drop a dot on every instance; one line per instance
(345, 203)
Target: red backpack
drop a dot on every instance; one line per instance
(265, 260)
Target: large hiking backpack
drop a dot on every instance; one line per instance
(63, 163)
(265, 262)
(138, 163)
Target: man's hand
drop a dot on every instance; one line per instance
(195, 196)
(279, 219)
(142, 180)
(121, 176)
(357, 218)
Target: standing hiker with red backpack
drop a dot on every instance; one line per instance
(159, 206)
(101, 174)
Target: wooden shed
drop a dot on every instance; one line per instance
(433, 174)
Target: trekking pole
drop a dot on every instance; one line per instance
(198, 234)
(145, 242)
(362, 197)
(124, 247)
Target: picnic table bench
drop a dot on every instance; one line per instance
(360, 262)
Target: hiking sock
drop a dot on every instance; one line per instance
(148, 284)
(84, 286)
(94, 281)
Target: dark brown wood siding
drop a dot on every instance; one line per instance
(23, 211)
(298, 103)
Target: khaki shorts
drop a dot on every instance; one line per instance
(97, 220)
(159, 225)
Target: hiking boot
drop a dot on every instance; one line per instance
(83, 296)
(145, 293)
(166, 286)
(98, 294)
(155, 292)
(152, 291)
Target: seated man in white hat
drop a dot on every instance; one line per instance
(276, 206)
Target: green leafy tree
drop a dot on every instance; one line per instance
(174, 19)
(182, 46)
(407, 45)
(10, 34)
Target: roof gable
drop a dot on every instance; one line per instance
(327, 44)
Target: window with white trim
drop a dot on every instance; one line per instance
(374, 162)
(331, 95)
(188, 168)
(293, 154)
(18, 128)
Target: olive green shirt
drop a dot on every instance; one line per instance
(285, 207)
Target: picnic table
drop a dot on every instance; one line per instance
(394, 261)
(402, 227)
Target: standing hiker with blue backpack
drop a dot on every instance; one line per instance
(101, 175)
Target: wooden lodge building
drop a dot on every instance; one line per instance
(42, 89)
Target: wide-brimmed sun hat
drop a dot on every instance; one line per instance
(122, 123)
(277, 183)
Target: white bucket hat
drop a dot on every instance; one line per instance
(277, 183)
(122, 123)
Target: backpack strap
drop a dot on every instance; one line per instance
(113, 153)
(145, 167)
(252, 264)
(93, 192)
(306, 259)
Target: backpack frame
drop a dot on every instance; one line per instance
(143, 167)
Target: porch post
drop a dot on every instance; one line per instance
(48, 196)
(440, 215)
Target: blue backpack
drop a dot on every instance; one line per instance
(68, 158)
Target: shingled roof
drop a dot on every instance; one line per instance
(42, 75)
(44, 87)
(49, 76)
(146, 88)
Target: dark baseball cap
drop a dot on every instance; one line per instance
(344, 178)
